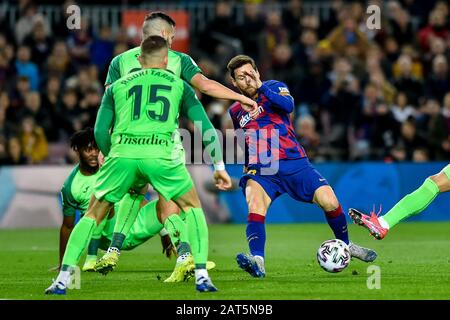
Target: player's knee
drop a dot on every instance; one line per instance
(442, 181)
(255, 205)
(329, 202)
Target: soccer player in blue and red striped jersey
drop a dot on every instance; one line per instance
(276, 163)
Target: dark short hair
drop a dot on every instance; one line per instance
(152, 44)
(83, 139)
(238, 62)
(160, 15)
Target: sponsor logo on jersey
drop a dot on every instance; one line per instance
(153, 139)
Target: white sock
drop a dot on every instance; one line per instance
(183, 257)
(113, 249)
(260, 258)
(383, 223)
(64, 277)
(201, 273)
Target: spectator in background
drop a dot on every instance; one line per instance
(29, 17)
(341, 105)
(401, 27)
(446, 114)
(220, 30)
(14, 151)
(34, 109)
(401, 109)
(26, 68)
(405, 81)
(85, 79)
(275, 34)
(435, 28)
(250, 31)
(291, 17)
(102, 47)
(308, 136)
(33, 141)
(285, 69)
(59, 62)
(433, 126)
(89, 107)
(438, 82)
(18, 97)
(69, 112)
(79, 43)
(409, 139)
(304, 50)
(40, 44)
(420, 155)
(50, 101)
(6, 130)
(347, 34)
(6, 71)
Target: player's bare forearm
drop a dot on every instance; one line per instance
(215, 89)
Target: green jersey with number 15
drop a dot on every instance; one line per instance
(146, 106)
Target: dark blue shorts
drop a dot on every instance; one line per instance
(297, 177)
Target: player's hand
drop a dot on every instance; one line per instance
(168, 247)
(255, 77)
(248, 104)
(101, 158)
(223, 180)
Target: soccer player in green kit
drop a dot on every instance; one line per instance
(182, 65)
(76, 194)
(143, 107)
(410, 205)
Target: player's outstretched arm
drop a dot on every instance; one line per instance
(215, 89)
(104, 122)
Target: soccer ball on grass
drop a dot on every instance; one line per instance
(333, 255)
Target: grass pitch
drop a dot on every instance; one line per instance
(414, 261)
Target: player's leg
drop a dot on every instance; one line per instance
(304, 183)
(91, 258)
(127, 211)
(121, 177)
(258, 202)
(115, 178)
(325, 198)
(78, 241)
(189, 203)
(169, 214)
(410, 205)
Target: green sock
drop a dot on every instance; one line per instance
(126, 216)
(198, 236)
(78, 241)
(178, 231)
(95, 239)
(413, 203)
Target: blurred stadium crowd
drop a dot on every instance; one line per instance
(360, 94)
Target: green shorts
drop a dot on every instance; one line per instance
(117, 175)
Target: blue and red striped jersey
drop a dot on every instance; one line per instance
(271, 135)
